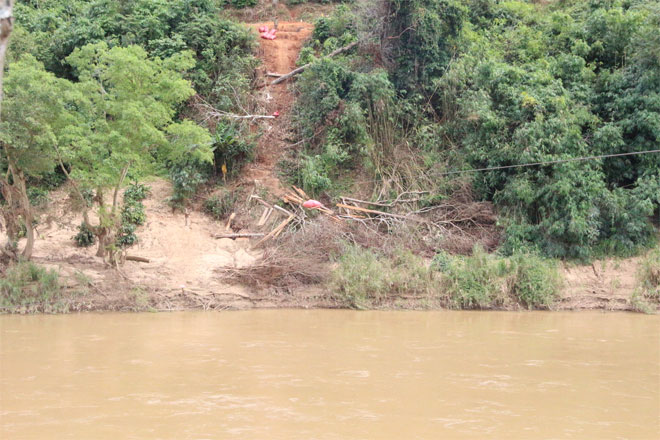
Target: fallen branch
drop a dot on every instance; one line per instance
(268, 205)
(219, 115)
(399, 199)
(240, 235)
(273, 74)
(302, 68)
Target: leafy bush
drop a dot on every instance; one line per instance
(364, 279)
(219, 206)
(85, 237)
(38, 196)
(126, 236)
(133, 213)
(28, 288)
(231, 148)
(187, 176)
(136, 192)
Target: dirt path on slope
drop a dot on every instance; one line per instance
(278, 56)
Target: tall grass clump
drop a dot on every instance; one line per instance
(29, 288)
(364, 279)
(484, 281)
(647, 295)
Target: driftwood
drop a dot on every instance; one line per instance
(240, 235)
(138, 259)
(302, 68)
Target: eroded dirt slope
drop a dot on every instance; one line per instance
(279, 56)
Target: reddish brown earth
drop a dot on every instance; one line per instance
(279, 56)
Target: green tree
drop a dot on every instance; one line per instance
(35, 122)
(128, 109)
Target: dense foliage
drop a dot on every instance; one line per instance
(102, 91)
(487, 83)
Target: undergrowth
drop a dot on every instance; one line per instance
(366, 279)
(485, 281)
(646, 296)
(29, 288)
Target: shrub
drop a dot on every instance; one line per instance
(85, 237)
(219, 206)
(133, 213)
(28, 288)
(476, 282)
(364, 279)
(231, 148)
(534, 281)
(187, 177)
(136, 192)
(649, 275)
(38, 196)
(126, 236)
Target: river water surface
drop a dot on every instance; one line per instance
(330, 375)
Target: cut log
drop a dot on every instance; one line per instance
(240, 235)
(264, 216)
(301, 193)
(302, 68)
(275, 231)
(138, 259)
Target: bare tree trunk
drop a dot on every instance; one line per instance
(101, 230)
(17, 208)
(19, 181)
(118, 187)
(275, 14)
(6, 26)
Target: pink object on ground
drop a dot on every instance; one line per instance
(263, 28)
(276, 113)
(312, 204)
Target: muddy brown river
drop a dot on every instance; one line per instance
(330, 375)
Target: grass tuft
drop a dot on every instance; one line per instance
(29, 288)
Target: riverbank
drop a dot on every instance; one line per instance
(186, 270)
